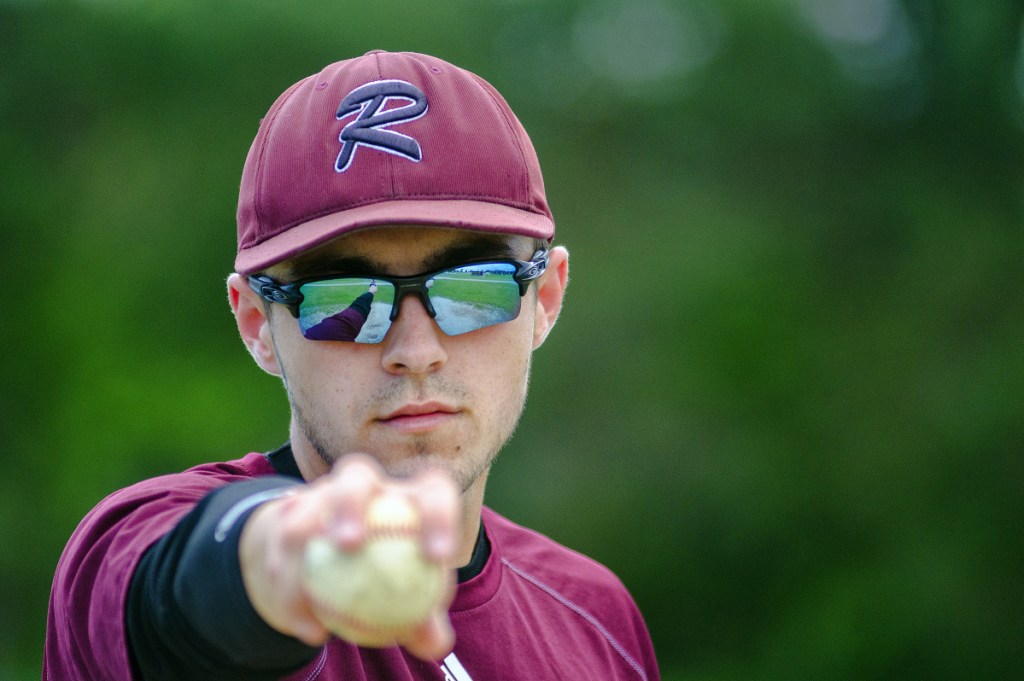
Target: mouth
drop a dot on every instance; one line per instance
(419, 418)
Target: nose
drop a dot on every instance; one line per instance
(413, 343)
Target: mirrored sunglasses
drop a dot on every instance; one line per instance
(460, 299)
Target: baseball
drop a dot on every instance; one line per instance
(379, 592)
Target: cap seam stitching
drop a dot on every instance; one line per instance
(488, 89)
(264, 143)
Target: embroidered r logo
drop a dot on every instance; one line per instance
(369, 127)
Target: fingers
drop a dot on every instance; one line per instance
(347, 492)
(438, 501)
(357, 479)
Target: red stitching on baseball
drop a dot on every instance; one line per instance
(397, 531)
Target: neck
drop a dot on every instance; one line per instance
(309, 462)
(469, 523)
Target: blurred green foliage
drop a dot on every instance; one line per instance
(784, 399)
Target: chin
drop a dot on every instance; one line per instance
(463, 473)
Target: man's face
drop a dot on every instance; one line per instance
(419, 398)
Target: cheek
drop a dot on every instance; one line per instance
(317, 371)
(502, 360)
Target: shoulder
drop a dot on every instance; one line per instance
(180, 491)
(144, 511)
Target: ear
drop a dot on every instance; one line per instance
(550, 291)
(253, 323)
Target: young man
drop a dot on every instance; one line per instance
(400, 176)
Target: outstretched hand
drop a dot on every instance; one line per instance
(273, 545)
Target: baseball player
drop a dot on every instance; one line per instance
(401, 192)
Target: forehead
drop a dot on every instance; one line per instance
(403, 250)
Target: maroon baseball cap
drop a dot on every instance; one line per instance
(386, 138)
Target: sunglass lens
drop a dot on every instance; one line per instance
(352, 309)
(474, 296)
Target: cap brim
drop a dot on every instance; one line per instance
(480, 216)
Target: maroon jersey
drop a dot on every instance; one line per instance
(537, 610)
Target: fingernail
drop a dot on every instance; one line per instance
(439, 545)
(346, 532)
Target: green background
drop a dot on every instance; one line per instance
(783, 401)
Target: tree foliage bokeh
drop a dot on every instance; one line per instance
(784, 399)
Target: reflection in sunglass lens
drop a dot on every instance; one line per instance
(348, 309)
(474, 296)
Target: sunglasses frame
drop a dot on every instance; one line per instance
(290, 296)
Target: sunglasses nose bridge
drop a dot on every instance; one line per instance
(417, 288)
